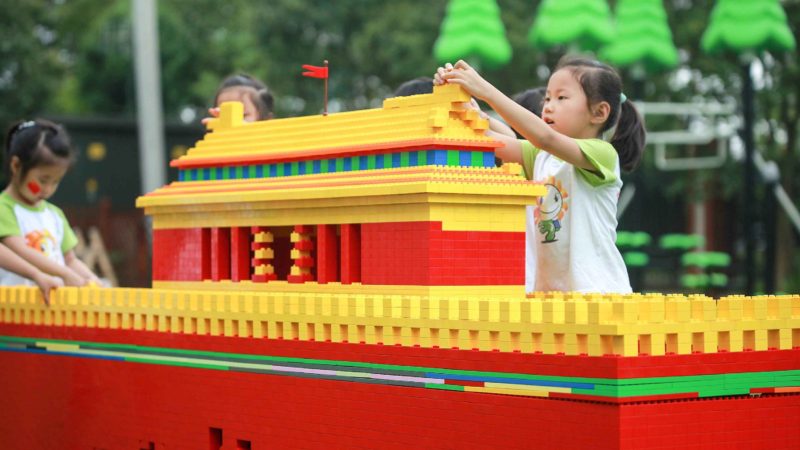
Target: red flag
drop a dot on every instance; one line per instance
(315, 71)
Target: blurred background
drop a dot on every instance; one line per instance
(692, 218)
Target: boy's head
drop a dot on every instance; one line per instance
(417, 86)
(531, 99)
(252, 93)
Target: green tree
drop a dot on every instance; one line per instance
(31, 64)
(473, 30)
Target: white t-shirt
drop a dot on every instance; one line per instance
(44, 228)
(572, 230)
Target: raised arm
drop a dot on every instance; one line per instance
(531, 127)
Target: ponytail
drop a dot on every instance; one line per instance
(629, 136)
(601, 83)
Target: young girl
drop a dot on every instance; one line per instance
(38, 155)
(571, 242)
(254, 95)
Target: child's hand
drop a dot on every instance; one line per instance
(93, 281)
(213, 112)
(438, 77)
(473, 104)
(463, 74)
(46, 283)
(73, 279)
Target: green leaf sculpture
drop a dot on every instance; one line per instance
(472, 29)
(583, 24)
(642, 37)
(747, 26)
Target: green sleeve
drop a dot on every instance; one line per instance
(529, 153)
(8, 220)
(70, 240)
(603, 157)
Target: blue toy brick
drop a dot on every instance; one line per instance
(316, 166)
(488, 159)
(299, 168)
(348, 164)
(413, 159)
(379, 161)
(180, 175)
(437, 157)
(206, 173)
(465, 158)
(396, 160)
(260, 170)
(218, 173)
(363, 163)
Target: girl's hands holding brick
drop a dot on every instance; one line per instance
(464, 75)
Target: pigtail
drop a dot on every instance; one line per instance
(629, 136)
(36, 142)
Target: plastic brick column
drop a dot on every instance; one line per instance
(351, 253)
(301, 255)
(240, 253)
(263, 270)
(220, 254)
(327, 254)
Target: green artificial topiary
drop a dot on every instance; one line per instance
(473, 30)
(743, 26)
(585, 24)
(642, 37)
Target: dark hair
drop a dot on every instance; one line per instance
(531, 99)
(262, 97)
(601, 83)
(420, 85)
(36, 142)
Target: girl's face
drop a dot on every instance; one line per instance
(566, 108)
(38, 184)
(245, 96)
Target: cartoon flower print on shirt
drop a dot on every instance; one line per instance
(550, 209)
(41, 241)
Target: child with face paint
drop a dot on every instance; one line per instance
(37, 240)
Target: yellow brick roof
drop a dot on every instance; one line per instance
(438, 120)
(380, 182)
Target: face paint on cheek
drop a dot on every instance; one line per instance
(34, 187)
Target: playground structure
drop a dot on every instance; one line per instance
(356, 280)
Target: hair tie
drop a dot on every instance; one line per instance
(622, 98)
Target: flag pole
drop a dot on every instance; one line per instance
(325, 110)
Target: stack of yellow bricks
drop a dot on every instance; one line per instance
(555, 323)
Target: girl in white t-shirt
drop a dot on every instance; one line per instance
(37, 156)
(571, 232)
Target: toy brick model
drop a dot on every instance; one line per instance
(356, 280)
